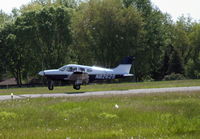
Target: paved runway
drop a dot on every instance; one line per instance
(103, 93)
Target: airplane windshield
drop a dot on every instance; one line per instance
(62, 68)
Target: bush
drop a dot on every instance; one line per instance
(174, 76)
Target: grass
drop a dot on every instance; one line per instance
(101, 87)
(149, 116)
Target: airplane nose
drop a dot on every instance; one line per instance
(41, 73)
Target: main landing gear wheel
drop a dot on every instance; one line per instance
(50, 85)
(77, 87)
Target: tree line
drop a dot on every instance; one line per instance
(47, 34)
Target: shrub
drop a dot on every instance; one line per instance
(174, 76)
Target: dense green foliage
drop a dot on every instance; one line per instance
(48, 34)
(137, 116)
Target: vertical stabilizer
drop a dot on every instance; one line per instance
(125, 66)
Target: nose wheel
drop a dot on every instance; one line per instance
(50, 85)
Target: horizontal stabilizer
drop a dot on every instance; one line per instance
(128, 75)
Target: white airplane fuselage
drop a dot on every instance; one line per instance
(81, 74)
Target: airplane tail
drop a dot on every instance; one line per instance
(125, 66)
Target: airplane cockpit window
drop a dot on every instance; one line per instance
(62, 68)
(82, 69)
(89, 70)
(72, 69)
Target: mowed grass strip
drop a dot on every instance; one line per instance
(166, 115)
(101, 87)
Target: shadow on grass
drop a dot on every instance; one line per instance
(74, 93)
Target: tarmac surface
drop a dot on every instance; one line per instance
(103, 93)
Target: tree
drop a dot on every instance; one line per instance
(68, 3)
(156, 38)
(166, 60)
(105, 31)
(36, 40)
(181, 40)
(36, 5)
(2, 64)
(53, 36)
(193, 65)
(4, 18)
(12, 52)
(175, 63)
(46, 35)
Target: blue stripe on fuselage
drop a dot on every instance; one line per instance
(91, 77)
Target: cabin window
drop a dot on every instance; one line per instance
(72, 69)
(82, 69)
(89, 70)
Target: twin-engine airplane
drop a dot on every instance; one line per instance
(80, 74)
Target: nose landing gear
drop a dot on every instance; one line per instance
(50, 85)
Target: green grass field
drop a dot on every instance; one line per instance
(101, 87)
(139, 116)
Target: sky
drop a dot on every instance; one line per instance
(8, 5)
(175, 8)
